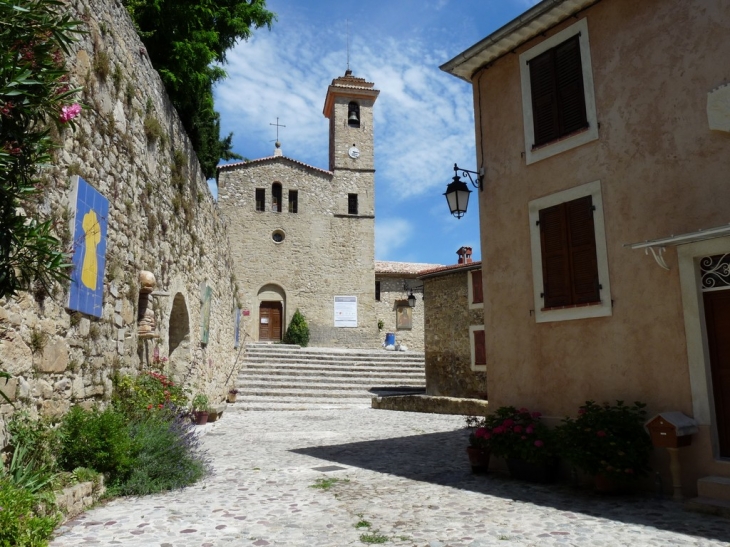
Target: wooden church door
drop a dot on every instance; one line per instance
(270, 321)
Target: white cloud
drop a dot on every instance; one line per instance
(391, 235)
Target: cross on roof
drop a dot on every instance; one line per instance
(277, 128)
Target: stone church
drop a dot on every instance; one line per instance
(303, 237)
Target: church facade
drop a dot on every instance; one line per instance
(303, 237)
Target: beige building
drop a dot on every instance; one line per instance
(600, 125)
(303, 237)
(456, 360)
(395, 282)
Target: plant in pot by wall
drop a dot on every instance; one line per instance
(527, 445)
(478, 449)
(200, 409)
(608, 442)
(232, 393)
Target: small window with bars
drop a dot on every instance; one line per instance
(260, 199)
(293, 201)
(351, 204)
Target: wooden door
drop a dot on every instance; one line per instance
(270, 321)
(717, 317)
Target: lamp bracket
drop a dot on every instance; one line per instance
(479, 176)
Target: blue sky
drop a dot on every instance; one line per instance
(423, 117)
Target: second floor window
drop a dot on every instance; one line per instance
(276, 197)
(260, 199)
(293, 201)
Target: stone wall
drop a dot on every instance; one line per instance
(447, 340)
(392, 296)
(130, 145)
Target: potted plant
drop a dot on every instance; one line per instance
(200, 409)
(478, 449)
(232, 395)
(518, 436)
(608, 442)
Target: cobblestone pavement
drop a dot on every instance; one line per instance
(404, 474)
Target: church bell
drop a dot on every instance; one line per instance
(352, 118)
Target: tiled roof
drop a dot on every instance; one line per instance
(406, 268)
(452, 268)
(271, 158)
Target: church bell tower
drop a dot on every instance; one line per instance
(349, 107)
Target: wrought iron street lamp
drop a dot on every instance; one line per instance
(457, 192)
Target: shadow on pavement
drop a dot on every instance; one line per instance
(440, 458)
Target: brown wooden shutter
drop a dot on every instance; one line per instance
(544, 98)
(480, 348)
(569, 83)
(555, 257)
(476, 287)
(582, 240)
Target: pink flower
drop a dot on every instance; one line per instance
(581, 410)
(536, 415)
(509, 422)
(523, 410)
(480, 432)
(601, 433)
(497, 430)
(539, 443)
(518, 429)
(70, 112)
(529, 429)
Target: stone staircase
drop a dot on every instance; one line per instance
(286, 377)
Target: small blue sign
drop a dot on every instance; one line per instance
(89, 249)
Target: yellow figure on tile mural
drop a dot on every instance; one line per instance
(92, 238)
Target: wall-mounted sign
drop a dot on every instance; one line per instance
(345, 311)
(90, 223)
(206, 298)
(404, 317)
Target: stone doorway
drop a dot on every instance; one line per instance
(179, 337)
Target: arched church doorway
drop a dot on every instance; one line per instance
(271, 313)
(179, 337)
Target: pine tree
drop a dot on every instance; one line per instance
(298, 331)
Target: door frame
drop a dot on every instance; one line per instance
(698, 352)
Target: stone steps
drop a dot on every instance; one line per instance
(277, 376)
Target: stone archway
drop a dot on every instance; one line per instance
(271, 313)
(179, 337)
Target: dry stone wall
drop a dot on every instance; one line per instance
(448, 351)
(130, 146)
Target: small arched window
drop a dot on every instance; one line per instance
(353, 114)
(276, 197)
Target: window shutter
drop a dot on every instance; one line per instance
(555, 257)
(570, 96)
(480, 348)
(582, 240)
(476, 287)
(544, 98)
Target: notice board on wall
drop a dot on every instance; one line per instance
(345, 311)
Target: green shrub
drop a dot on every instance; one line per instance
(99, 440)
(39, 436)
(20, 525)
(137, 396)
(298, 331)
(167, 455)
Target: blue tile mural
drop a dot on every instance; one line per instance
(89, 249)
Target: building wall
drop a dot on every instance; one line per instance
(325, 252)
(392, 296)
(162, 219)
(447, 340)
(662, 172)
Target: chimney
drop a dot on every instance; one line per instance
(464, 255)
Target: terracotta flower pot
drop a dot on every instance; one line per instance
(201, 417)
(478, 458)
(544, 471)
(232, 397)
(610, 485)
